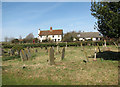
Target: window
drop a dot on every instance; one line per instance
(41, 36)
(58, 39)
(53, 36)
(58, 35)
(96, 38)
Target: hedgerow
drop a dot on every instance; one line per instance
(61, 44)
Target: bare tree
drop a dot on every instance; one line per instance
(29, 36)
(20, 37)
(6, 39)
(11, 38)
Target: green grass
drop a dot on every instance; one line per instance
(70, 71)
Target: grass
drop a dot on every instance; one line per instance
(70, 71)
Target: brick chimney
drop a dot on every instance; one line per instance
(50, 28)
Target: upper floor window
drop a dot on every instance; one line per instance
(58, 35)
(53, 36)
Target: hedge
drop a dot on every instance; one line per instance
(61, 44)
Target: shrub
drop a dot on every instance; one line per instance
(17, 47)
(62, 44)
(15, 41)
(7, 46)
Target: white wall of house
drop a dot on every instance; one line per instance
(56, 37)
(41, 38)
(81, 39)
(52, 37)
(74, 39)
(87, 38)
(93, 39)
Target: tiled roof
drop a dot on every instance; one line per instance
(20, 39)
(89, 34)
(51, 32)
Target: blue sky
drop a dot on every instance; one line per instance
(22, 18)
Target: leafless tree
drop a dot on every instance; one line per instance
(6, 39)
(20, 37)
(11, 38)
(29, 36)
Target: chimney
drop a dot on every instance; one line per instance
(38, 31)
(50, 28)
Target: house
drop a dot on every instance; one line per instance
(54, 35)
(82, 36)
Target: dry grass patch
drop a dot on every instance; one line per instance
(70, 71)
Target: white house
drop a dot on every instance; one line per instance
(55, 35)
(94, 36)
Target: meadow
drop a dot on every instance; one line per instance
(69, 71)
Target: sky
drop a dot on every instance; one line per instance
(22, 18)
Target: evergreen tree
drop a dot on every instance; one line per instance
(107, 14)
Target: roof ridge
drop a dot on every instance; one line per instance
(49, 30)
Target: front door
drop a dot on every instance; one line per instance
(55, 40)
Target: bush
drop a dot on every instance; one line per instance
(17, 47)
(15, 41)
(7, 46)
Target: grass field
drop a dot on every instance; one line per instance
(70, 71)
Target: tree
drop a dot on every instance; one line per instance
(20, 37)
(107, 14)
(36, 40)
(29, 38)
(6, 39)
(11, 38)
(15, 41)
(69, 36)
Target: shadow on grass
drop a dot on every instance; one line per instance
(109, 55)
(5, 58)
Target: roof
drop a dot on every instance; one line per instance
(20, 39)
(51, 32)
(89, 34)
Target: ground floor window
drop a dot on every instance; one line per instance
(96, 38)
